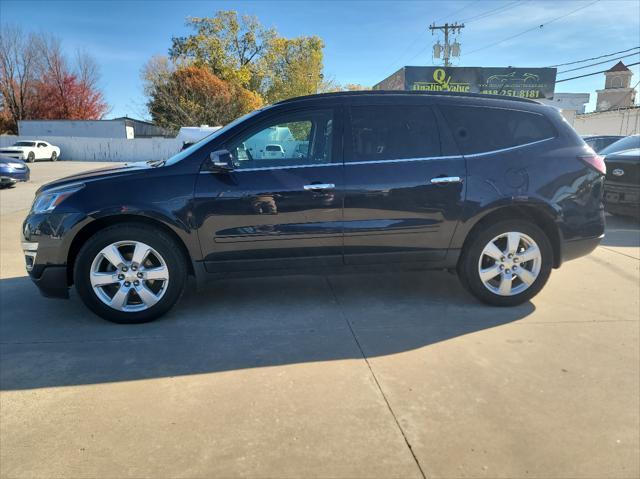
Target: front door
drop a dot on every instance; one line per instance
(404, 184)
(281, 206)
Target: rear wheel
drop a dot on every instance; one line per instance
(54, 156)
(507, 263)
(31, 157)
(130, 273)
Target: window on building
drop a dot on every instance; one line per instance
(393, 133)
(480, 129)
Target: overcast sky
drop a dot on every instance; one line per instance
(365, 41)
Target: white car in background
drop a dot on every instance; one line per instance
(31, 150)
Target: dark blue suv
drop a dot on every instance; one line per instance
(501, 190)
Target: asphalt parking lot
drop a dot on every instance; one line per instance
(386, 375)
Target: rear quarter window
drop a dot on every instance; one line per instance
(483, 129)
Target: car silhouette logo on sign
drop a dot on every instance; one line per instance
(618, 172)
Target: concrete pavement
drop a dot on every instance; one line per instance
(386, 375)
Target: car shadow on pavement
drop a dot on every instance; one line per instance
(622, 231)
(236, 324)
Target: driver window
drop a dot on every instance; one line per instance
(289, 140)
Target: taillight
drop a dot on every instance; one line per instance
(595, 161)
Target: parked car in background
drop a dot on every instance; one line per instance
(273, 152)
(598, 142)
(499, 189)
(626, 143)
(31, 151)
(12, 171)
(622, 185)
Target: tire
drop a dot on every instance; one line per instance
(54, 156)
(31, 157)
(476, 258)
(163, 257)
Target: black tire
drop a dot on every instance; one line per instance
(468, 263)
(54, 156)
(31, 157)
(159, 241)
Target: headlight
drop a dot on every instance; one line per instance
(48, 200)
(16, 166)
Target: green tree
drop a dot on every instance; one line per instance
(292, 67)
(230, 46)
(238, 49)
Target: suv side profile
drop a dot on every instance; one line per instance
(500, 190)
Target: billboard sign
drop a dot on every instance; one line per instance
(534, 83)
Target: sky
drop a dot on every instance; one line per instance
(365, 41)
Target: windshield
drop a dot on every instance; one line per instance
(187, 151)
(623, 144)
(24, 143)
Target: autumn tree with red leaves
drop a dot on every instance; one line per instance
(37, 81)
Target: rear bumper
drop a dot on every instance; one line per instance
(580, 247)
(622, 199)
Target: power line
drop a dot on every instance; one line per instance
(489, 12)
(592, 58)
(594, 73)
(418, 38)
(600, 63)
(455, 12)
(473, 18)
(533, 28)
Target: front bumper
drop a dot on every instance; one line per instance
(46, 240)
(52, 282)
(10, 175)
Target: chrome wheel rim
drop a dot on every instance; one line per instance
(129, 276)
(510, 263)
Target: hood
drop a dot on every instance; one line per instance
(98, 174)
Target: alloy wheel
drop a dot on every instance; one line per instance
(129, 276)
(510, 263)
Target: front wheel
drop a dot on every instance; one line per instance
(130, 273)
(54, 156)
(31, 157)
(507, 263)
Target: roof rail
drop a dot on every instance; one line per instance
(405, 92)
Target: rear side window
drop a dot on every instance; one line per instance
(393, 133)
(481, 129)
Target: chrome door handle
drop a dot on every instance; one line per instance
(441, 180)
(320, 186)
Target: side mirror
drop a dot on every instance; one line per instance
(220, 161)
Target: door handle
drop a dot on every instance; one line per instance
(443, 180)
(319, 186)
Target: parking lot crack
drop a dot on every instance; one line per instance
(373, 374)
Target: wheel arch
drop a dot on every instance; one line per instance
(542, 216)
(104, 222)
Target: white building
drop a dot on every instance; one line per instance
(617, 92)
(575, 102)
(123, 127)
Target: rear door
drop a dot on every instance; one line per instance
(404, 183)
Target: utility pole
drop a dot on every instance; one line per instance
(448, 50)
